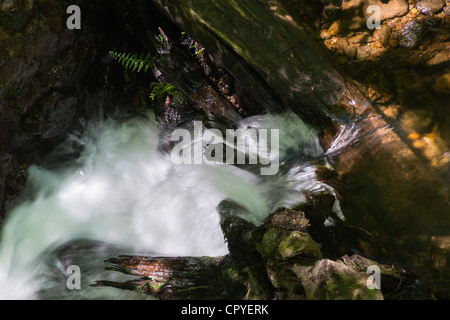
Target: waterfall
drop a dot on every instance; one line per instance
(122, 195)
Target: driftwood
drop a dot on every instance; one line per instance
(226, 277)
(181, 277)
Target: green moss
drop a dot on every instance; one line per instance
(343, 286)
(232, 273)
(155, 286)
(299, 243)
(373, 294)
(138, 289)
(269, 243)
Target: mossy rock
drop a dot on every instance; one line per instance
(269, 243)
(299, 244)
(276, 228)
(331, 280)
(288, 220)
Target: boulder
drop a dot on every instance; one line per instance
(331, 280)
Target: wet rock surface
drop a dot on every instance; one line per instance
(382, 34)
(413, 45)
(411, 33)
(430, 6)
(51, 78)
(298, 269)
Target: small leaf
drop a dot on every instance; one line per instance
(141, 65)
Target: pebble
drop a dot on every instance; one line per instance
(324, 34)
(350, 52)
(411, 33)
(391, 111)
(362, 53)
(341, 44)
(392, 9)
(430, 6)
(335, 28)
(359, 38)
(382, 34)
(388, 10)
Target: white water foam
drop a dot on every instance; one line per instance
(124, 192)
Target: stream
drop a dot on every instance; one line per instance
(112, 191)
(349, 122)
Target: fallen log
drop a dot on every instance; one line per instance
(169, 277)
(278, 260)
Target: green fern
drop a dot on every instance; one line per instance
(134, 62)
(164, 88)
(144, 62)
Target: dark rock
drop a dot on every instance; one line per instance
(411, 34)
(8, 177)
(430, 6)
(286, 44)
(331, 11)
(50, 76)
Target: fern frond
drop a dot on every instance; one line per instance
(134, 62)
(162, 89)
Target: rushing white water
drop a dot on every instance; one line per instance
(122, 192)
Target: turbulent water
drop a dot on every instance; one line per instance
(122, 195)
